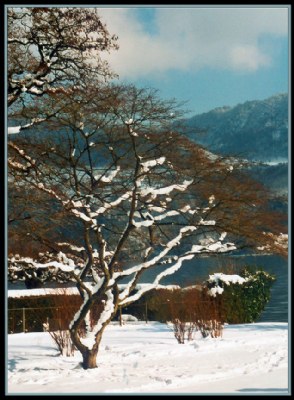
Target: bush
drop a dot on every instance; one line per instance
(188, 310)
(58, 309)
(58, 326)
(183, 330)
(244, 303)
(62, 340)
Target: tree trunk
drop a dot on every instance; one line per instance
(89, 358)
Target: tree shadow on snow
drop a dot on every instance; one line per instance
(260, 327)
(267, 390)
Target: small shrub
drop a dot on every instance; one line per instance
(62, 340)
(192, 310)
(58, 326)
(211, 327)
(183, 330)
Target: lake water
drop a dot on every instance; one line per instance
(198, 270)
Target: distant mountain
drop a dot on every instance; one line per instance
(273, 176)
(256, 130)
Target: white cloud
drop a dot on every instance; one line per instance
(192, 38)
(247, 58)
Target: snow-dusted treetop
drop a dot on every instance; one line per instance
(51, 46)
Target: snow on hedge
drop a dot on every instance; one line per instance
(226, 279)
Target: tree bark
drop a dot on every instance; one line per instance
(90, 355)
(90, 358)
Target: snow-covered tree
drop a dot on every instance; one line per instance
(100, 179)
(139, 196)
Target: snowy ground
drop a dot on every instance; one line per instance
(145, 358)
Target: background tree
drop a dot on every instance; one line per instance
(140, 195)
(52, 50)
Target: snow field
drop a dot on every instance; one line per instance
(145, 358)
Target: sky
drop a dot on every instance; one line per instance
(209, 56)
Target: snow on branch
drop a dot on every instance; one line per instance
(165, 190)
(73, 205)
(68, 203)
(83, 216)
(22, 154)
(51, 192)
(280, 241)
(147, 165)
(17, 166)
(214, 247)
(78, 313)
(144, 223)
(63, 263)
(71, 246)
(150, 220)
(170, 245)
(12, 130)
(187, 209)
(171, 269)
(109, 177)
(171, 213)
(49, 267)
(124, 296)
(107, 206)
(206, 222)
(35, 90)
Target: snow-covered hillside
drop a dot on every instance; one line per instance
(256, 130)
(145, 358)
